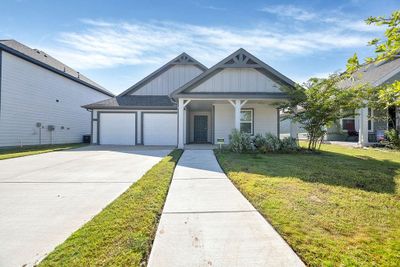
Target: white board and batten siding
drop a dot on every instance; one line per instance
(170, 80)
(29, 94)
(265, 119)
(238, 80)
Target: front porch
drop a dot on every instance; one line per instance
(207, 121)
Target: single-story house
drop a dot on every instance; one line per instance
(184, 102)
(371, 121)
(41, 98)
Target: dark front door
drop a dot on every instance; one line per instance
(200, 129)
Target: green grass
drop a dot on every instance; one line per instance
(122, 233)
(340, 207)
(16, 152)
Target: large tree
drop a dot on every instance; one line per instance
(319, 103)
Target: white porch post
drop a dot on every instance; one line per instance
(180, 123)
(237, 104)
(237, 114)
(293, 129)
(363, 127)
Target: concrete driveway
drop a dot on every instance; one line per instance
(44, 198)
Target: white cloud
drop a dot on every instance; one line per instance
(103, 44)
(290, 11)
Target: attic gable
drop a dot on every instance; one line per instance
(241, 59)
(183, 66)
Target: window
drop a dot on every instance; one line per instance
(349, 124)
(246, 121)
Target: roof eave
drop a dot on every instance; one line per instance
(43, 65)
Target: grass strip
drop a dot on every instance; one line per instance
(8, 153)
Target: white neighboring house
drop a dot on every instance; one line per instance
(183, 102)
(41, 98)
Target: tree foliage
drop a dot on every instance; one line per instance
(319, 103)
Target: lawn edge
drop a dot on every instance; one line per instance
(42, 150)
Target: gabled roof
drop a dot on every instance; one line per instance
(239, 59)
(377, 73)
(46, 61)
(134, 102)
(182, 59)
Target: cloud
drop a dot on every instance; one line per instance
(332, 18)
(105, 44)
(290, 11)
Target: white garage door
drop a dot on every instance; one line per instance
(117, 128)
(160, 129)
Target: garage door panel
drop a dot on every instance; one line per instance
(160, 129)
(117, 128)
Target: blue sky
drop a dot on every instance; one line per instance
(116, 43)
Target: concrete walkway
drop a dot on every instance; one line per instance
(207, 222)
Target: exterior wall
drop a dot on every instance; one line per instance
(265, 119)
(139, 124)
(238, 80)
(169, 81)
(209, 124)
(29, 95)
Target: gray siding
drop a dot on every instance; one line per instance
(238, 80)
(169, 81)
(28, 95)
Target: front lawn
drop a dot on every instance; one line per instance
(8, 153)
(337, 208)
(122, 233)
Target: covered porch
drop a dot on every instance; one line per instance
(211, 121)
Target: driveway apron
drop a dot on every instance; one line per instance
(206, 221)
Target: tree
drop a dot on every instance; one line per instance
(319, 103)
(388, 48)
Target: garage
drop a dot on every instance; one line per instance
(117, 128)
(160, 129)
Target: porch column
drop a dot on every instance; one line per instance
(180, 123)
(237, 114)
(363, 127)
(293, 128)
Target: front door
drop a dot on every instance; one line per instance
(200, 128)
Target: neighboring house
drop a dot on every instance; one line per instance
(41, 98)
(184, 102)
(369, 121)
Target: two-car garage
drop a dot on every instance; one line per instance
(132, 128)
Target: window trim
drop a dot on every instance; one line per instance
(354, 118)
(251, 121)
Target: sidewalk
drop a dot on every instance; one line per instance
(207, 222)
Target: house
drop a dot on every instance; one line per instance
(41, 98)
(367, 123)
(184, 102)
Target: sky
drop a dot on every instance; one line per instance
(117, 43)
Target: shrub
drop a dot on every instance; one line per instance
(273, 144)
(239, 142)
(289, 144)
(393, 139)
(260, 143)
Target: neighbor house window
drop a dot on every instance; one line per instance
(349, 124)
(246, 121)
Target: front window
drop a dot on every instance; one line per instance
(246, 121)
